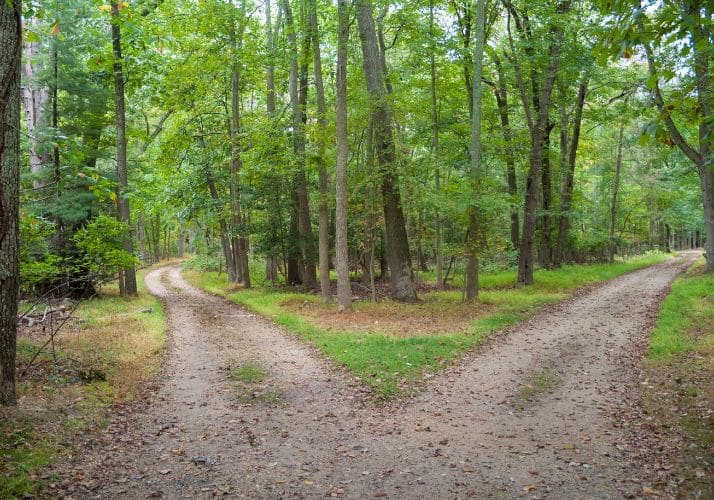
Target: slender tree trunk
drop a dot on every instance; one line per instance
(271, 260)
(501, 93)
(566, 188)
(435, 151)
(474, 238)
(323, 210)
(398, 255)
(298, 100)
(222, 222)
(546, 242)
(239, 240)
(140, 237)
(10, 49)
(344, 292)
(615, 192)
(127, 279)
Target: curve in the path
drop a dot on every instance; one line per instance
(534, 414)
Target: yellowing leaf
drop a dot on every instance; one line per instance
(105, 8)
(55, 28)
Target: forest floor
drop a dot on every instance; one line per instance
(241, 409)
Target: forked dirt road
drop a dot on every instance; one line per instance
(539, 412)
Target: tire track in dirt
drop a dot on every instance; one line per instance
(533, 414)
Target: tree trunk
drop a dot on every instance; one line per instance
(10, 49)
(298, 100)
(566, 188)
(435, 151)
(546, 242)
(474, 238)
(538, 129)
(501, 93)
(271, 264)
(402, 284)
(344, 292)
(615, 192)
(127, 278)
(35, 98)
(323, 210)
(222, 222)
(239, 240)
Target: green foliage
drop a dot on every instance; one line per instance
(101, 243)
(37, 262)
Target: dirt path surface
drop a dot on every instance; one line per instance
(540, 412)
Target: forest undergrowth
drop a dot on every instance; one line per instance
(104, 355)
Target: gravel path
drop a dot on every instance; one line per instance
(535, 413)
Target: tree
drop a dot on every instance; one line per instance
(474, 235)
(10, 49)
(127, 276)
(344, 292)
(536, 105)
(398, 255)
(675, 35)
(323, 212)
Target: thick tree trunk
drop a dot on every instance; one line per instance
(127, 277)
(615, 192)
(35, 98)
(10, 48)
(344, 292)
(474, 233)
(566, 188)
(323, 210)
(398, 255)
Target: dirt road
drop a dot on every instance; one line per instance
(541, 412)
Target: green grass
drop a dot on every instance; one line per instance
(22, 454)
(249, 373)
(686, 318)
(393, 365)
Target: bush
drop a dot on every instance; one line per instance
(100, 242)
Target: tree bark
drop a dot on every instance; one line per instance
(344, 292)
(474, 233)
(398, 256)
(127, 277)
(10, 50)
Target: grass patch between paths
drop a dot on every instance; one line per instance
(386, 345)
